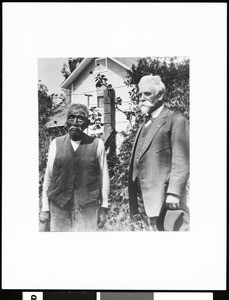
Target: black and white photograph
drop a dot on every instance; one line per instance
(114, 147)
(117, 138)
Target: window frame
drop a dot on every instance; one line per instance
(98, 102)
(96, 65)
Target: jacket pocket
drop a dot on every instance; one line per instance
(163, 145)
(58, 163)
(93, 168)
(163, 149)
(94, 186)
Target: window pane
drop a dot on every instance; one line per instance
(100, 101)
(101, 64)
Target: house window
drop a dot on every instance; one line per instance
(100, 65)
(100, 101)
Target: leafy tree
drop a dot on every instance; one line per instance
(175, 75)
(47, 107)
(70, 67)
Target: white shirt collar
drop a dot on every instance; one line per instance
(157, 112)
(75, 144)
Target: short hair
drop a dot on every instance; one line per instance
(155, 81)
(78, 106)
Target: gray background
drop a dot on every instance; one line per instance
(126, 296)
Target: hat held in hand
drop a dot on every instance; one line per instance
(175, 220)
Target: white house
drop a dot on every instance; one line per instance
(81, 88)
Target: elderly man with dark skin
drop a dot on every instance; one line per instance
(159, 164)
(76, 183)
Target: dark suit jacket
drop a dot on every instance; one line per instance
(164, 162)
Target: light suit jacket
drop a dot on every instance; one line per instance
(163, 164)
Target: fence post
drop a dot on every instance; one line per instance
(109, 117)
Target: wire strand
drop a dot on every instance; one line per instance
(121, 86)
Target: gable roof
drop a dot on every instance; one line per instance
(125, 62)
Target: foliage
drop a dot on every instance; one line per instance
(118, 216)
(45, 110)
(47, 107)
(95, 118)
(175, 76)
(101, 80)
(70, 67)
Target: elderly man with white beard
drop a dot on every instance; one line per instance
(159, 164)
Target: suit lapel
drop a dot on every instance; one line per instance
(155, 126)
(135, 141)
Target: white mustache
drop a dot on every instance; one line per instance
(145, 106)
(145, 103)
(75, 128)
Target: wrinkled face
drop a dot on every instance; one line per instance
(149, 100)
(76, 122)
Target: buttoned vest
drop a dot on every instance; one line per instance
(77, 170)
(138, 151)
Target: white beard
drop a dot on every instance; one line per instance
(145, 109)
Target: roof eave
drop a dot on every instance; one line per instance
(120, 63)
(81, 67)
(76, 72)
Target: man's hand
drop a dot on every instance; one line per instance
(102, 217)
(44, 216)
(172, 202)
